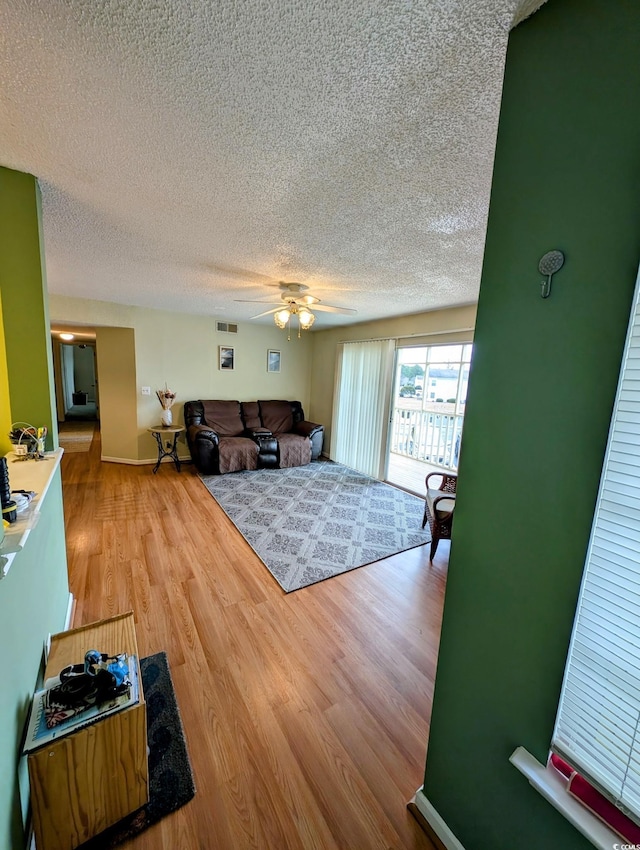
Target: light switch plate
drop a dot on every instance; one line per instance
(146, 391)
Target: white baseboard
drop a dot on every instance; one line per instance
(145, 462)
(71, 604)
(68, 618)
(436, 823)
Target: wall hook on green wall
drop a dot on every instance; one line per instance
(551, 263)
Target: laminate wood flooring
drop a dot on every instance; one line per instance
(306, 714)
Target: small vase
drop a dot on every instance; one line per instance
(167, 417)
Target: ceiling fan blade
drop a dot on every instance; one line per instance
(267, 312)
(326, 308)
(252, 301)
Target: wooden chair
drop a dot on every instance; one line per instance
(438, 508)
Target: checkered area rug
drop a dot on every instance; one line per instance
(309, 523)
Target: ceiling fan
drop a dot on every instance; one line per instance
(297, 304)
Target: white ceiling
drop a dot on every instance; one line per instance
(192, 152)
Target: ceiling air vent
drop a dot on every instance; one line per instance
(226, 328)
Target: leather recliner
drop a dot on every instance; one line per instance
(229, 436)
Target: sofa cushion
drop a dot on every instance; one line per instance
(251, 415)
(237, 453)
(277, 416)
(294, 450)
(224, 417)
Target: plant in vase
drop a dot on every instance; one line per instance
(166, 398)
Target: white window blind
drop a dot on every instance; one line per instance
(361, 405)
(598, 723)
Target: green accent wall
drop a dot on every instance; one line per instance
(35, 593)
(542, 385)
(23, 289)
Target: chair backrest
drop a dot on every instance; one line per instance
(251, 415)
(231, 418)
(449, 483)
(279, 416)
(224, 417)
(193, 413)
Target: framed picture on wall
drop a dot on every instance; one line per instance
(273, 360)
(227, 357)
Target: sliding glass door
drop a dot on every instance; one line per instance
(429, 396)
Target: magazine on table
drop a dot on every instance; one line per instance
(50, 721)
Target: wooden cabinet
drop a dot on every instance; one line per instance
(92, 778)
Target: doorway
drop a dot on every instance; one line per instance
(77, 396)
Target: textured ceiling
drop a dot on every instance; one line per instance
(195, 152)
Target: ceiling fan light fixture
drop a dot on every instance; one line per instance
(306, 318)
(297, 304)
(281, 318)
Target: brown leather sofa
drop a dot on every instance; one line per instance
(229, 436)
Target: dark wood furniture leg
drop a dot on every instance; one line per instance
(170, 450)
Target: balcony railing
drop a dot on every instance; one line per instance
(432, 435)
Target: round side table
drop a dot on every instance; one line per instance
(166, 448)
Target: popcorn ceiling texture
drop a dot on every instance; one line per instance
(194, 152)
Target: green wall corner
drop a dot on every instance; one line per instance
(5, 403)
(34, 595)
(541, 391)
(27, 337)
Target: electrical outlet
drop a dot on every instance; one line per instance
(146, 391)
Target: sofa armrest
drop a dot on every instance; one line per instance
(267, 446)
(195, 432)
(307, 429)
(315, 434)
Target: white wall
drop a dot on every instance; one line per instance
(181, 350)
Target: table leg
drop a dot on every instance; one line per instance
(174, 450)
(160, 451)
(170, 450)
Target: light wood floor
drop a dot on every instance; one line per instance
(307, 714)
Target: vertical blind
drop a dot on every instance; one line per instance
(363, 390)
(598, 723)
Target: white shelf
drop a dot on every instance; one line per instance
(33, 475)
